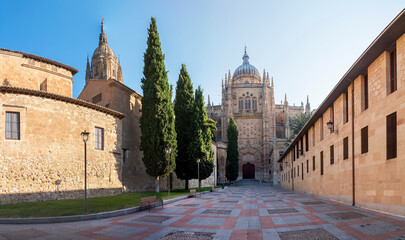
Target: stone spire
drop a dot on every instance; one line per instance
(88, 71)
(264, 75)
(103, 36)
(209, 101)
(104, 64)
(272, 83)
(245, 57)
(307, 106)
(285, 100)
(229, 75)
(119, 72)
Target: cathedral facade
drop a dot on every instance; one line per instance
(263, 125)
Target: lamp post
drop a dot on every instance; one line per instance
(85, 136)
(169, 151)
(198, 168)
(331, 127)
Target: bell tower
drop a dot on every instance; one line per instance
(104, 64)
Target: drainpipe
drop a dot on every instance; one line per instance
(353, 163)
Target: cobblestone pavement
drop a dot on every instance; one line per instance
(246, 212)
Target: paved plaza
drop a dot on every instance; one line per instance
(243, 212)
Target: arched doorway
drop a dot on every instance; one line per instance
(248, 171)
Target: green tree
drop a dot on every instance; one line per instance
(232, 152)
(157, 120)
(201, 144)
(297, 123)
(183, 110)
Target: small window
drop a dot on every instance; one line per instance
(332, 154)
(345, 107)
(125, 155)
(255, 104)
(302, 171)
(247, 104)
(321, 129)
(313, 136)
(364, 93)
(298, 167)
(240, 104)
(293, 154)
(364, 140)
(302, 145)
(99, 138)
(321, 157)
(393, 71)
(392, 135)
(313, 163)
(345, 148)
(306, 142)
(332, 116)
(13, 125)
(96, 98)
(307, 166)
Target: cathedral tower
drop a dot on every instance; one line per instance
(104, 64)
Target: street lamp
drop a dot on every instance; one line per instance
(331, 127)
(198, 167)
(85, 136)
(169, 151)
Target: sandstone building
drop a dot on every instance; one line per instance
(352, 150)
(41, 147)
(263, 125)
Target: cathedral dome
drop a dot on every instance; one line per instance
(246, 69)
(103, 50)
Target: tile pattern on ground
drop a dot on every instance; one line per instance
(245, 212)
(188, 236)
(153, 219)
(282, 210)
(309, 234)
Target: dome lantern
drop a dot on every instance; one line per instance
(246, 69)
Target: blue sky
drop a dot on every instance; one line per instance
(306, 46)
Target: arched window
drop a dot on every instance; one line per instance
(240, 104)
(254, 103)
(247, 103)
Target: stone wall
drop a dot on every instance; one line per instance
(19, 71)
(47, 163)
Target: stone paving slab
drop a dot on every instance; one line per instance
(246, 212)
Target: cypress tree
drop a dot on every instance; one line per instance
(232, 152)
(201, 144)
(183, 109)
(157, 120)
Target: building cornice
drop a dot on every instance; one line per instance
(41, 59)
(43, 94)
